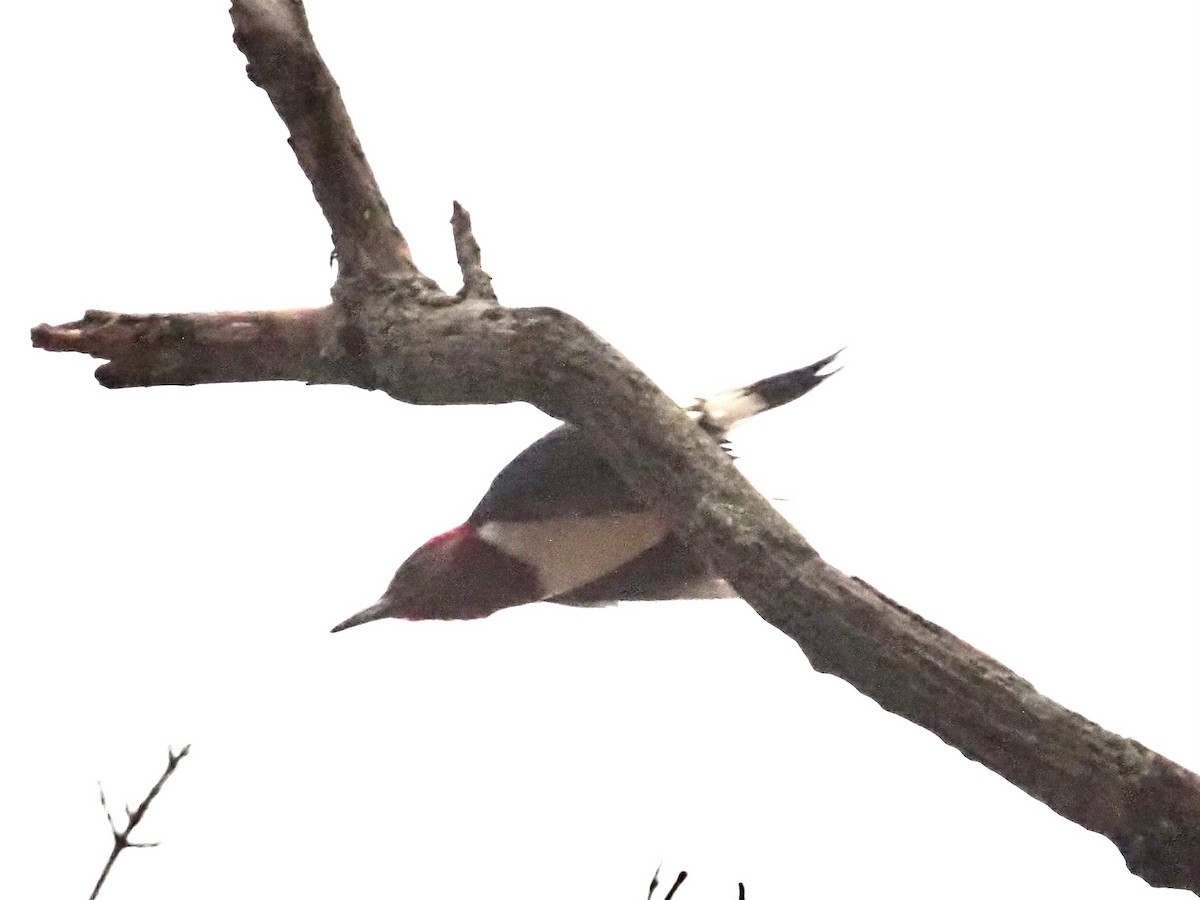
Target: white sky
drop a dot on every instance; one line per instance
(994, 205)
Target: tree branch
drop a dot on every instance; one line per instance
(204, 348)
(285, 63)
(679, 879)
(393, 329)
(477, 284)
(134, 817)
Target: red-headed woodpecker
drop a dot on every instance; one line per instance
(559, 524)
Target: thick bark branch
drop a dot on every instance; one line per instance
(283, 61)
(392, 329)
(204, 348)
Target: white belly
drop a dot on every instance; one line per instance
(569, 553)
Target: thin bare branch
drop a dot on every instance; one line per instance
(104, 804)
(653, 883)
(477, 284)
(680, 879)
(134, 816)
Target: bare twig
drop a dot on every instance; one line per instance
(680, 879)
(653, 883)
(134, 816)
(671, 893)
(477, 284)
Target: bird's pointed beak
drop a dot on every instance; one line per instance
(370, 614)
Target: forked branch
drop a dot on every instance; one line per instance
(134, 817)
(393, 329)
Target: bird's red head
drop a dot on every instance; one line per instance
(456, 575)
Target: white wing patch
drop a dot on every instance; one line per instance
(728, 408)
(571, 552)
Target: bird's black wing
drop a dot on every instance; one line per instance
(560, 471)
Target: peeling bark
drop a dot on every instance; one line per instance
(393, 329)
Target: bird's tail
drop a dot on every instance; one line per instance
(719, 413)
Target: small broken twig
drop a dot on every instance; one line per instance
(477, 284)
(671, 893)
(678, 881)
(134, 816)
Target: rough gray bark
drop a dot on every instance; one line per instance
(390, 328)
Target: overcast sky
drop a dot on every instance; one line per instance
(994, 205)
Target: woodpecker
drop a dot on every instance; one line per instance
(559, 524)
